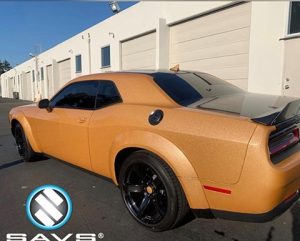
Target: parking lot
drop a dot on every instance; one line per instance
(97, 204)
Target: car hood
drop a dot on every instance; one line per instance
(264, 109)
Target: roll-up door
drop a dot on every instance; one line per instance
(27, 86)
(139, 52)
(10, 87)
(217, 43)
(64, 72)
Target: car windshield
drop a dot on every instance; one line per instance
(187, 88)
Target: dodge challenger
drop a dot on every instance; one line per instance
(173, 142)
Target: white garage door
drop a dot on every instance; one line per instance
(49, 79)
(64, 72)
(139, 53)
(217, 43)
(27, 86)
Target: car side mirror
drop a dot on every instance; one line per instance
(44, 104)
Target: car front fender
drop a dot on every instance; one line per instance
(20, 117)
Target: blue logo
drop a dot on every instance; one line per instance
(49, 207)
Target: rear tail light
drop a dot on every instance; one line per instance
(284, 140)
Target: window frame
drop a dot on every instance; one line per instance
(101, 52)
(77, 70)
(90, 109)
(288, 34)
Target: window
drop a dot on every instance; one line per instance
(33, 76)
(294, 26)
(42, 73)
(81, 95)
(78, 63)
(105, 56)
(187, 88)
(108, 94)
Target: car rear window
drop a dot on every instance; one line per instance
(186, 88)
(178, 89)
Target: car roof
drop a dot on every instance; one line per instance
(149, 72)
(135, 86)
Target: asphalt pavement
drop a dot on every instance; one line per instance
(97, 204)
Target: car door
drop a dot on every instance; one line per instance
(104, 126)
(64, 130)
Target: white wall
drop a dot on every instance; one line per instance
(266, 54)
(140, 18)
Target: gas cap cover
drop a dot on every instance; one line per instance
(155, 117)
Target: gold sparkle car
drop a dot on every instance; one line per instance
(173, 142)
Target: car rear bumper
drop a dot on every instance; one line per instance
(249, 217)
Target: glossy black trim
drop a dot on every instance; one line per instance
(290, 111)
(247, 217)
(43, 104)
(266, 120)
(287, 123)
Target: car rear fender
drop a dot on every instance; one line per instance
(19, 117)
(168, 152)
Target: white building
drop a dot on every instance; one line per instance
(255, 45)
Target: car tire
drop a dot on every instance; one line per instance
(151, 192)
(23, 145)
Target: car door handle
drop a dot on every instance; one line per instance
(82, 119)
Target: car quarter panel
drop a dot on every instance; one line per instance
(197, 145)
(263, 186)
(214, 143)
(120, 126)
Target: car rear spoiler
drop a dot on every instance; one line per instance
(290, 111)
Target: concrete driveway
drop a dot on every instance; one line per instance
(98, 207)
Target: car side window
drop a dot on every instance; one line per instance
(108, 94)
(81, 95)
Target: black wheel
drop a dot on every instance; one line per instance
(23, 145)
(151, 192)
